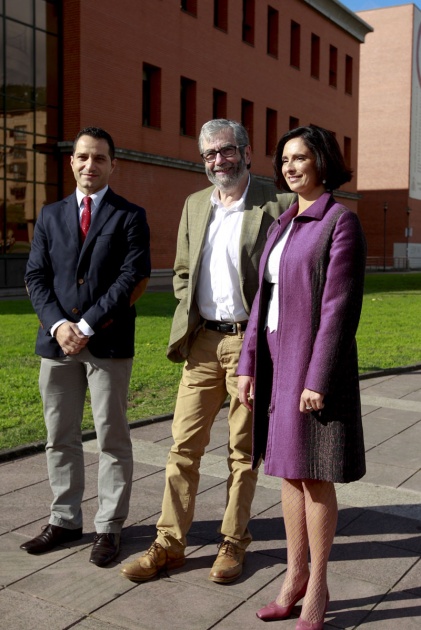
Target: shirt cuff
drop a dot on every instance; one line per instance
(85, 328)
(56, 325)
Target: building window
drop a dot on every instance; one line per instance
(248, 21)
(219, 104)
(315, 56)
(333, 66)
(271, 131)
(294, 55)
(187, 107)
(19, 153)
(18, 193)
(293, 122)
(348, 74)
(18, 170)
(19, 134)
(151, 97)
(247, 117)
(347, 151)
(220, 14)
(189, 6)
(273, 28)
(31, 113)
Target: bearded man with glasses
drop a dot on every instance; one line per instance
(220, 239)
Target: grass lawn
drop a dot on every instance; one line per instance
(389, 336)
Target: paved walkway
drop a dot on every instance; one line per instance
(375, 568)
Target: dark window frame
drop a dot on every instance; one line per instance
(151, 96)
(295, 45)
(248, 22)
(315, 56)
(333, 66)
(247, 117)
(187, 107)
(220, 15)
(272, 48)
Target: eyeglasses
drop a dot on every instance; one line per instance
(226, 152)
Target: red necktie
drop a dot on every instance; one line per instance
(86, 217)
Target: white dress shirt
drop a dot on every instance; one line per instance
(218, 293)
(272, 276)
(96, 199)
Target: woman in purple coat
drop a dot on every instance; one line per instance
(299, 363)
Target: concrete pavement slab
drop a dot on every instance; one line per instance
(375, 400)
(22, 612)
(413, 483)
(17, 564)
(396, 385)
(370, 526)
(381, 499)
(403, 449)
(17, 474)
(377, 563)
(382, 423)
(411, 581)
(171, 604)
(374, 572)
(388, 475)
(75, 584)
(396, 610)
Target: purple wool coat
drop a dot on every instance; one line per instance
(320, 297)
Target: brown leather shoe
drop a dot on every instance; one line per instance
(228, 565)
(106, 548)
(52, 536)
(148, 565)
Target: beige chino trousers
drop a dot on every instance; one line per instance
(208, 376)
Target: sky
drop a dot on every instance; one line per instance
(364, 5)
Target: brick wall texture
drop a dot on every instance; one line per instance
(106, 44)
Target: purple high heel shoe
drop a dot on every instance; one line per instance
(273, 611)
(302, 624)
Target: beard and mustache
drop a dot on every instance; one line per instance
(231, 178)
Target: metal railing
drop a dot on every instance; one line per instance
(393, 263)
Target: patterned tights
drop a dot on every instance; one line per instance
(310, 514)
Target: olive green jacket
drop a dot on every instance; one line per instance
(263, 204)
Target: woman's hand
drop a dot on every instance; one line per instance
(246, 391)
(311, 401)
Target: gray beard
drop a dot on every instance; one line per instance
(231, 179)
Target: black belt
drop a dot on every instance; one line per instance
(228, 328)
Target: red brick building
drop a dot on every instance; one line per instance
(151, 73)
(389, 141)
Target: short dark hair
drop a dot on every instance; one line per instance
(330, 164)
(99, 134)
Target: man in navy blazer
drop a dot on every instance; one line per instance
(89, 262)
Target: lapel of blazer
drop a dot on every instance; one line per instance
(71, 218)
(199, 219)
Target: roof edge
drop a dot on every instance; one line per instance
(342, 16)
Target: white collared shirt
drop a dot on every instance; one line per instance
(95, 197)
(218, 291)
(272, 276)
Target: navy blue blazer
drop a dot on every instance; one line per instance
(93, 280)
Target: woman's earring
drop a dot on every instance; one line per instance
(324, 181)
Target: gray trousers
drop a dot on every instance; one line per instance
(63, 386)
